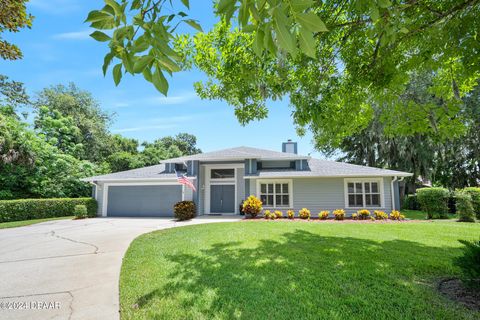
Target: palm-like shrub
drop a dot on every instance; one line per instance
(380, 215)
(304, 213)
(267, 214)
(290, 214)
(363, 214)
(396, 215)
(339, 214)
(323, 215)
(252, 206)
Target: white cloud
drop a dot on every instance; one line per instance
(55, 7)
(145, 128)
(172, 99)
(158, 124)
(155, 100)
(76, 35)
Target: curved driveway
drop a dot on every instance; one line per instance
(69, 269)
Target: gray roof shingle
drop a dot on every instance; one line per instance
(326, 168)
(316, 167)
(150, 172)
(238, 153)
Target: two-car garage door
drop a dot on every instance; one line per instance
(143, 200)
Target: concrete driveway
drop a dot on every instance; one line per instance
(69, 269)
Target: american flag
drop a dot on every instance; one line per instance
(182, 179)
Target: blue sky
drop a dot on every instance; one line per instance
(58, 49)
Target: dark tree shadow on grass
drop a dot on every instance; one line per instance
(303, 275)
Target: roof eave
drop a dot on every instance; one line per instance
(235, 159)
(133, 179)
(328, 176)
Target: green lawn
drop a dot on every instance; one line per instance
(294, 270)
(420, 215)
(14, 224)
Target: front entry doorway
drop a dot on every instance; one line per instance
(222, 198)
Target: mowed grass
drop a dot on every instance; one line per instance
(421, 215)
(14, 224)
(294, 270)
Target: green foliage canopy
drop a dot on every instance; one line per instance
(70, 140)
(333, 60)
(13, 17)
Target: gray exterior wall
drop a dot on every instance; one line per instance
(101, 190)
(317, 194)
(250, 166)
(396, 190)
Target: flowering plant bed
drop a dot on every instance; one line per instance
(331, 220)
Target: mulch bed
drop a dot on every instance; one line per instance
(455, 290)
(331, 220)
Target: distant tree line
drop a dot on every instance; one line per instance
(68, 139)
(452, 162)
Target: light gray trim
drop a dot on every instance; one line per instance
(196, 194)
(240, 186)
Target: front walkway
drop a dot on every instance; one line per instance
(71, 267)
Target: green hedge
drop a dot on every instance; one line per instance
(434, 201)
(464, 206)
(474, 193)
(411, 202)
(27, 209)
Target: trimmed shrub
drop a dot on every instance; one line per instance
(464, 206)
(411, 202)
(380, 215)
(278, 214)
(396, 215)
(80, 211)
(474, 193)
(323, 215)
(252, 206)
(339, 214)
(185, 210)
(434, 201)
(469, 262)
(304, 213)
(28, 209)
(268, 214)
(363, 214)
(354, 216)
(291, 214)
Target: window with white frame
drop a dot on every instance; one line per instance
(363, 194)
(275, 194)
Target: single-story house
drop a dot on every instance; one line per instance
(223, 179)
